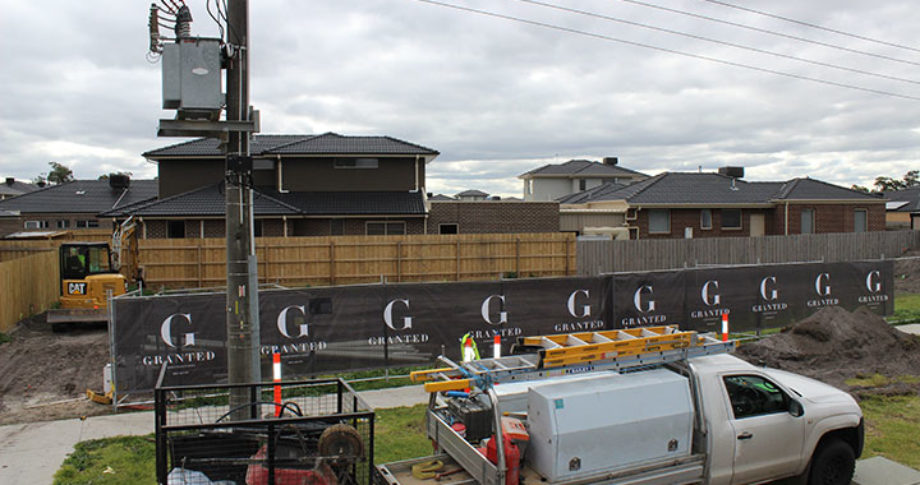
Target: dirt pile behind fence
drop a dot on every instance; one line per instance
(907, 273)
(834, 345)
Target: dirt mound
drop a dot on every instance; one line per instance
(834, 345)
(39, 369)
(907, 273)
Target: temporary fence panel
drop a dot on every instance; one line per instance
(324, 330)
(342, 260)
(30, 285)
(324, 434)
(598, 257)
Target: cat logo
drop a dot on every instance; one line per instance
(76, 288)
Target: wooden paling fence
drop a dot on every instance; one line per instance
(596, 257)
(29, 286)
(338, 260)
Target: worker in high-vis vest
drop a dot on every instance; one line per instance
(468, 348)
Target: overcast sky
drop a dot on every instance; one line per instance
(496, 97)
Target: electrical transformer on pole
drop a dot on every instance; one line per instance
(191, 86)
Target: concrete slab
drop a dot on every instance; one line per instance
(913, 328)
(882, 471)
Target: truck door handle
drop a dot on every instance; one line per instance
(745, 436)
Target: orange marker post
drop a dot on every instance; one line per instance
(276, 377)
(725, 327)
(497, 346)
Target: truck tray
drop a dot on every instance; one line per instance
(400, 472)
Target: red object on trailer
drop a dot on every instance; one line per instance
(257, 474)
(512, 458)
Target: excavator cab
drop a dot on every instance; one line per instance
(87, 277)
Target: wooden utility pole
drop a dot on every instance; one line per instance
(242, 278)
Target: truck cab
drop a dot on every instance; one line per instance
(87, 278)
(764, 424)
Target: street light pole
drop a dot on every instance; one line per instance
(242, 279)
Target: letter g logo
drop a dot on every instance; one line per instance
(166, 330)
(283, 323)
(585, 309)
(822, 284)
(710, 299)
(769, 294)
(873, 283)
(388, 315)
(637, 299)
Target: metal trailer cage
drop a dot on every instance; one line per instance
(323, 436)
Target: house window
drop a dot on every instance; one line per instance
(62, 224)
(860, 220)
(337, 227)
(355, 163)
(448, 229)
(386, 228)
(257, 228)
(89, 223)
(36, 225)
(582, 184)
(731, 218)
(706, 219)
(808, 221)
(175, 229)
(659, 221)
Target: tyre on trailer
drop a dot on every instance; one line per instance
(833, 464)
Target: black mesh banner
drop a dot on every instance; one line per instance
(326, 330)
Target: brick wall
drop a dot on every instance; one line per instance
(494, 216)
(682, 218)
(828, 218)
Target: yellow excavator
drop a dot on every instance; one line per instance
(89, 275)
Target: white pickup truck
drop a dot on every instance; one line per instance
(712, 419)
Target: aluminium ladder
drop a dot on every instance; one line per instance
(574, 353)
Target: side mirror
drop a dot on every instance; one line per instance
(795, 408)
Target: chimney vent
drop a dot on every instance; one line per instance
(10, 181)
(611, 160)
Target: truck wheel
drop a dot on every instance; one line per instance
(833, 464)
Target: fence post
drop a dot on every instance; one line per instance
(566, 244)
(200, 282)
(331, 262)
(398, 261)
(458, 259)
(517, 257)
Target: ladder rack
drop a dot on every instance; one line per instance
(574, 353)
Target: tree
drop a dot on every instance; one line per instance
(59, 173)
(859, 188)
(910, 179)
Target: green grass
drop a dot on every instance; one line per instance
(399, 434)
(124, 459)
(878, 380)
(906, 308)
(892, 428)
(4, 338)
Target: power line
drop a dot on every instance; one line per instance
(720, 42)
(670, 51)
(814, 26)
(770, 32)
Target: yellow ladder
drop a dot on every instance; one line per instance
(574, 353)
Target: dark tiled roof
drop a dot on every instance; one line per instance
(582, 168)
(16, 188)
(81, 196)
(210, 202)
(594, 193)
(204, 201)
(325, 144)
(910, 197)
(438, 197)
(712, 188)
(811, 189)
